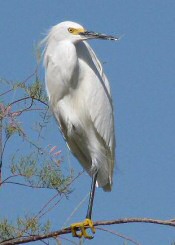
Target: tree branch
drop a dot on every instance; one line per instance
(1, 148)
(33, 238)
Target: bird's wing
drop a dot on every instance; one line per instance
(100, 103)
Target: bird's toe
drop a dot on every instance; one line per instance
(80, 229)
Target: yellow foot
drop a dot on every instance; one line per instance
(80, 229)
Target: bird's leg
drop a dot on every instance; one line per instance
(91, 197)
(79, 229)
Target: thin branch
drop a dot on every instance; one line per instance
(26, 79)
(42, 102)
(39, 214)
(27, 185)
(66, 239)
(75, 210)
(27, 98)
(2, 152)
(19, 100)
(119, 235)
(1, 149)
(67, 230)
(42, 212)
(27, 108)
(53, 206)
(10, 177)
(6, 92)
(47, 243)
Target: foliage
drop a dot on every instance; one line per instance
(36, 91)
(23, 226)
(39, 165)
(41, 170)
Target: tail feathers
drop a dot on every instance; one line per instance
(104, 179)
(107, 185)
(106, 188)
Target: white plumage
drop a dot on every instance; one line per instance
(80, 98)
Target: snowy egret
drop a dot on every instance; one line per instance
(80, 98)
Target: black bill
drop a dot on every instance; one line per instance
(91, 35)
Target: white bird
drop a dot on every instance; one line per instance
(80, 98)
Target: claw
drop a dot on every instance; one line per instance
(80, 229)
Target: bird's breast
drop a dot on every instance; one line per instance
(61, 70)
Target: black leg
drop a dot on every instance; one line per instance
(91, 196)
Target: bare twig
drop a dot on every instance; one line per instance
(50, 208)
(67, 230)
(2, 152)
(10, 177)
(19, 100)
(27, 98)
(1, 148)
(25, 80)
(6, 92)
(41, 213)
(27, 185)
(119, 235)
(75, 210)
(66, 239)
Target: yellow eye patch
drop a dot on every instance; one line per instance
(75, 31)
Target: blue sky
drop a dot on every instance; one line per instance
(141, 71)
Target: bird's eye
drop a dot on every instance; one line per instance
(71, 30)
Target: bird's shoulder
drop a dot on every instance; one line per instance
(60, 54)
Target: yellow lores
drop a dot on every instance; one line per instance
(75, 31)
(80, 98)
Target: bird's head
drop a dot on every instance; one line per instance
(74, 32)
